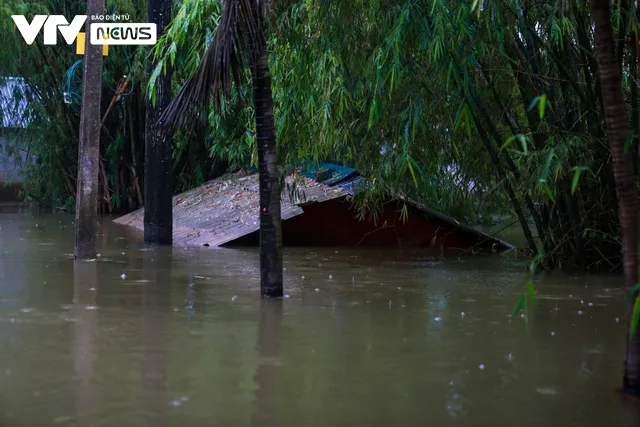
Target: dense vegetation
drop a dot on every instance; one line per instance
(476, 108)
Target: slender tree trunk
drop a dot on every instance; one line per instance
(623, 167)
(270, 221)
(89, 150)
(158, 180)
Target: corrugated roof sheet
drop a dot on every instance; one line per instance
(227, 208)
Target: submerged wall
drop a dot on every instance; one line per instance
(334, 223)
(10, 174)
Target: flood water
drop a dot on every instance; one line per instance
(171, 337)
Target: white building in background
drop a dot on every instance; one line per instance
(15, 117)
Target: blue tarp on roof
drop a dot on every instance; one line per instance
(353, 185)
(336, 173)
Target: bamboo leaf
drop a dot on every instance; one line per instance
(631, 294)
(523, 141)
(508, 142)
(532, 293)
(413, 175)
(543, 104)
(574, 182)
(547, 164)
(635, 318)
(372, 112)
(518, 307)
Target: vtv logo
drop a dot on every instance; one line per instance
(100, 34)
(51, 23)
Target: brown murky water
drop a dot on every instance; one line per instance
(365, 339)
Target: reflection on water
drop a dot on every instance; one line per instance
(169, 337)
(268, 350)
(85, 287)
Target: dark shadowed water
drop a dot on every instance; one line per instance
(180, 337)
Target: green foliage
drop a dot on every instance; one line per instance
(475, 108)
(52, 139)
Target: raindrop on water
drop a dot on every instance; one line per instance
(522, 315)
(462, 314)
(331, 277)
(302, 277)
(590, 304)
(317, 289)
(179, 401)
(286, 296)
(510, 356)
(553, 333)
(437, 319)
(235, 297)
(617, 320)
(579, 312)
(481, 367)
(123, 276)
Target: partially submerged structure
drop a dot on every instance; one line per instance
(316, 211)
(14, 119)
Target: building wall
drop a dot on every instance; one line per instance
(10, 174)
(10, 169)
(334, 223)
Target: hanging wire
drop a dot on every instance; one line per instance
(72, 86)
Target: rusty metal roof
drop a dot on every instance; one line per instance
(227, 208)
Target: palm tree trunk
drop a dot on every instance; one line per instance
(158, 182)
(89, 150)
(270, 223)
(623, 168)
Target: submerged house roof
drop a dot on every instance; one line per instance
(225, 211)
(227, 208)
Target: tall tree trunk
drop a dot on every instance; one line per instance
(158, 180)
(623, 168)
(89, 150)
(270, 222)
